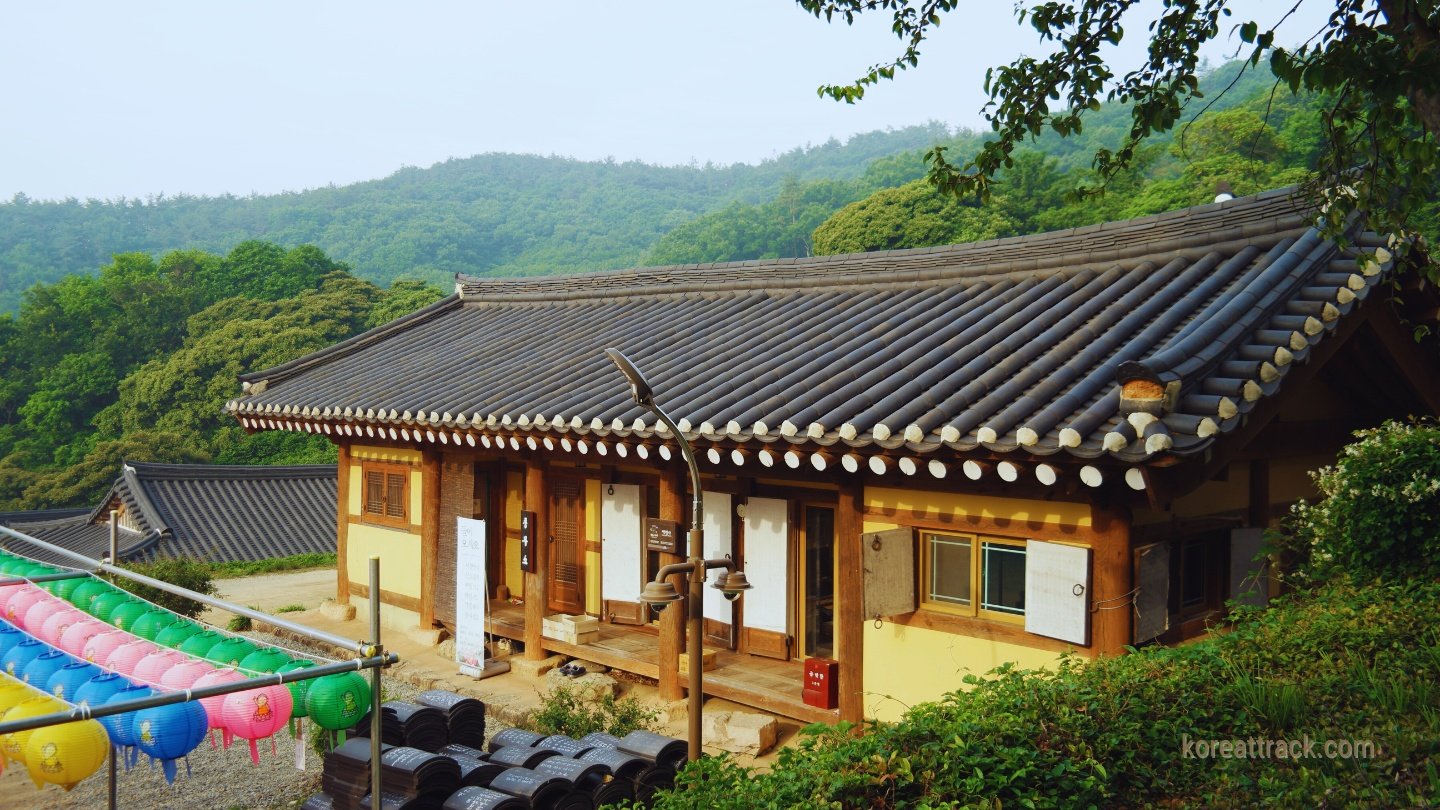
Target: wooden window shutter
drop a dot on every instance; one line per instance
(395, 495)
(374, 492)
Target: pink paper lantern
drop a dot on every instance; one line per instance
(98, 649)
(40, 612)
(74, 639)
(55, 626)
(127, 655)
(215, 705)
(256, 714)
(20, 602)
(152, 667)
(183, 675)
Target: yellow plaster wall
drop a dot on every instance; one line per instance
(391, 616)
(514, 505)
(399, 558)
(592, 558)
(1289, 482)
(1015, 510)
(908, 665)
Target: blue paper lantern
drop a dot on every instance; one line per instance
(10, 635)
(18, 657)
(64, 683)
(121, 727)
(99, 689)
(169, 732)
(37, 673)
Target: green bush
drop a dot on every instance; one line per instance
(570, 712)
(295, 562)
(1343, 662)
(189, 574)
(1379, 514)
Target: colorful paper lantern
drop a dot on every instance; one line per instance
(152, 667)
(10, 635)
(103, 604)
(148, 624)
(230, 652)
(265, 659)
(14, 742)
(215, 705)
(256, 714)
(69, 678)
(77, 635)
(169, 732)
(127, 655)
(86, 591)
(20, 603)
(66, 753)
(64, 587)
(127, 612)
(55, 626)
(200, 643)
(99, 688)
(121, 727)
(37, 673)
(183, 675)
(176, 633)
(298, 689)
(338, 701)
(98, 649)
(13, 692)
(18, 657)
(40, 612)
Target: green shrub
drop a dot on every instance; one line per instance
(570, 712)
(295, 608)
(1342, 662)
(295, 562)
(1379, 514)
(192, 575)
(240, 624)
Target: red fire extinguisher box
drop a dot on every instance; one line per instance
(822, 686)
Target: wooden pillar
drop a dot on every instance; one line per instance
(429, 534)
(1112, 604)
(342, 524)
(849, 621)
(537, 501)
(1259, 511)
(672, 619)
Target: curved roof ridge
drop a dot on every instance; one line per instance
(147, 469)
(1200, 227)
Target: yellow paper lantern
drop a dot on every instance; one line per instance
(66, 753)
(14, 743)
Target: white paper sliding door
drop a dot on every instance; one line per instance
(621, 554)
(767, 565)
(718, 516)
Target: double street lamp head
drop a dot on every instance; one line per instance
(731, 584)
(659, 594)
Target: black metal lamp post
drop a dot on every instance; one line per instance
(661, 592)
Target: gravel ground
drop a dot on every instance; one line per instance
(219, 779)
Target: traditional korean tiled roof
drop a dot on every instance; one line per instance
(215, 513)
(1020, 344)
(71, 529)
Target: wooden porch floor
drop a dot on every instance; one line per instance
(763, 683)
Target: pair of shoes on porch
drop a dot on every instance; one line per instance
(572, 670)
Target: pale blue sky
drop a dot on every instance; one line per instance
(105, 99)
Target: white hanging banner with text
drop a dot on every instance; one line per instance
(470, 590)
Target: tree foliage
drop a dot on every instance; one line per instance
(1377, 67)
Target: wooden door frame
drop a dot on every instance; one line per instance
(797, 589)
(555, 477)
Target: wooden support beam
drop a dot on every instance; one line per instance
(1112, 610)
(342, 523)
(537, 501)
(849, 621)
(429, 534)
(672, 621)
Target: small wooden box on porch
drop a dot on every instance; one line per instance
(572, 629)
(822, 683)
(707, 662)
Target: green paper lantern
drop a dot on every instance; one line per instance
(337, 702)
(298, 689)
(149, 624)
(176, 633)
(199, 644)
(265, 659)
(86, 591)
(103, 604)
(230, 652)
(65, 587)
(125, 614)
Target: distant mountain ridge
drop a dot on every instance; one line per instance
(494, 213)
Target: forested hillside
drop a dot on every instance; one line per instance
(495, 213)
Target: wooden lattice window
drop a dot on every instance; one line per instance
(386, 489)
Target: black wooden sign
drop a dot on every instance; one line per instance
(527, 542)
(664, 535)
